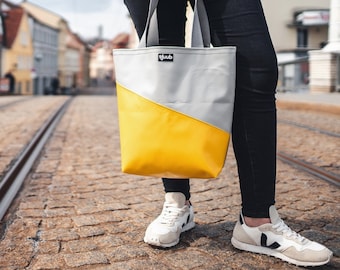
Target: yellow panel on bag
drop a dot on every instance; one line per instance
(154, 138)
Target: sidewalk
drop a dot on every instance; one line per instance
(322, 102)
(79, 211)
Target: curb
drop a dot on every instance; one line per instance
(308, 106)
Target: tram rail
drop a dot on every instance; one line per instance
(13, 179)
(301, 162)
(13, 102)
(317, 130)
(309, 168)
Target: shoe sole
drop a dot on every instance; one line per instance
(155, 241)
(262, 250)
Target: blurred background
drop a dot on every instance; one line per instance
(59, 46)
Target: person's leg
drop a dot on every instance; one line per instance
(177, 185)
(241, 23)
(171, 21)
(259, 228)
(170, 15)
(177, 214)
(138, 11)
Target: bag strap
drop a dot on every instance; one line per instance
(200, 36)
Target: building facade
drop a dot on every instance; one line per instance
(297, 26)
(83, 76)
(45, 43)
(17, 48)
(70, 55)
(45, 68)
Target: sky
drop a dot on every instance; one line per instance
(85, 16)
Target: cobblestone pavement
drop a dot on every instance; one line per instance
(78, 211)
(7, 99)
(20, 121)
(313, 139)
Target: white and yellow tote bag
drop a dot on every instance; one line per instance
(175, 105)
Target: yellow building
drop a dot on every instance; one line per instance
(17, 52)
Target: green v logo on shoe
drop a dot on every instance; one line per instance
(264, 237)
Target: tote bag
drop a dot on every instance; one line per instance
(175, 104)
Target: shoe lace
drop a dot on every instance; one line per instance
(282, 227)
(170, 214)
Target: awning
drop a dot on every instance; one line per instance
(312, 18)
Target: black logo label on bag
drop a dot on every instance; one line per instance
(165, 57)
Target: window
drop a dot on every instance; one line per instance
(24, 39)
(24, 62)
(302, 38)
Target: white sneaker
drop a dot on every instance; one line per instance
(176, 217)
(278, 240)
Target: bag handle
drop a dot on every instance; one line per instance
(200, 36)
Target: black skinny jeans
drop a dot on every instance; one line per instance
(240, 23)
